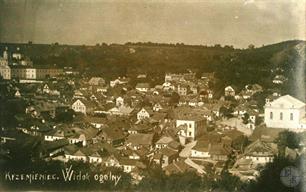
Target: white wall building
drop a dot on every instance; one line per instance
(79, 106)
(5, 72)
(229, 91)
(194, 126)
(119, 101)
(143, 114)
(3, 62)
(30, 73)
(285, 112)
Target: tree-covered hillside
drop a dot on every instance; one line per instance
(231, 66)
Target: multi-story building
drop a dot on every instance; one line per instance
(5, 72)
(25, 72)
(45, 72)
(18, 72)
(30, 73)
(191, 125)
(3, 62)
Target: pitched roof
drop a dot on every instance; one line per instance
(70, 149)
(164, 140)
(122, 109)
(87, 103)
(219, 149)
(177, 167)
(96, 80)
(260, 148)
(113, 133)
(203, 146)
(168, 152)
(140, 139)
(142, 85)
(148, 110)
(288, 102)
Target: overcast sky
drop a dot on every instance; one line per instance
(226, 22)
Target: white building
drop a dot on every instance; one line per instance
(192, 126)
(79, 106)
(119, 101)
(95, 158)
(260, 152)
(143, 114)
(30, 73)
(5, 72)
(96, 81)
(285, 112)
(143, 87)
(3, 62)
(229, 91)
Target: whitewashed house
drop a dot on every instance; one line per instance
(96, 81)
(191, 125)
(83, 106)
(79, 106)
(285, 112)
(95, 158)
(119, 101)
(260, 152)
(143, 87)
(229, 91)
(144, 113)
(157, 107)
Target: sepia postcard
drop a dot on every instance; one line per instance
(153, 95)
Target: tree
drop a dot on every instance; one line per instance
(157, 180)
(245, 118)
(226, 112)
(288, 139)
(240, 143)
(269, 179)
(251, 46)
(228, 182)
(64, 116)
(174, 99)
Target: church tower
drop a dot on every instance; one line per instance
(5, 54)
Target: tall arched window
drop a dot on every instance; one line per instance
(281, 116)
(271, 115)
(291, 116)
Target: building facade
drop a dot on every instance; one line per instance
(5, 72)
(285, 112)
(194, 127)
(79, 106)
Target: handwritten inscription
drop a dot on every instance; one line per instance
(30, 177)
(68, 175)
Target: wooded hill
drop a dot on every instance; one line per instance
(231, 66)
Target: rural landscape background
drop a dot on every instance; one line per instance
(152, 96)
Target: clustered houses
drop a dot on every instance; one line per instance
(180, 125)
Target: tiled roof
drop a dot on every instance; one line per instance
(140, 139)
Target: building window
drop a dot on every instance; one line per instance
(291, 116)
(281, 116)
(271, 115)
